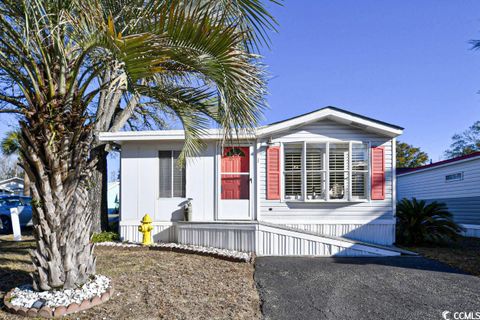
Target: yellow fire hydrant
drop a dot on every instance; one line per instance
(146, 228)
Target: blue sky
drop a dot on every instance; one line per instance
(405, 62)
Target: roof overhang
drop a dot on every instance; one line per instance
(167, 135)
(14, 179)
(337, 115)
(332, 113)
(441, 164)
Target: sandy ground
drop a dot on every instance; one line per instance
(153, 284)
(463, 254)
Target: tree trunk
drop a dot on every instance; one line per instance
(99, 193)
(26, 185)
(59, 169)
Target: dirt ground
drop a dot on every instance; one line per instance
(463, 254)
(152, 284)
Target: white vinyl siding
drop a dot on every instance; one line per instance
(140, 176)
(462, 196)
(431, 183)
(283, 211)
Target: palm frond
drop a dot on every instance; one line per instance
(10, 143)
(419, 222)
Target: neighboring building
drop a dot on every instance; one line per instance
(455, 182)
(309, 185)
(113, 196)
(12, 186)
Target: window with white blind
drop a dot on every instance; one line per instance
(315, 171)
(293, 171)
(326, 171)
(338, 169)
(172, 176)
(359, 171)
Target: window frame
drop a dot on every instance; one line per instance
(326, 171)
(172, 183)
(454, 179)
(283, 172)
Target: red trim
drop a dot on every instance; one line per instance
(468, 156)
(378, 174)
(273, 173)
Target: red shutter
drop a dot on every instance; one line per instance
(378, 173)
(273, 173)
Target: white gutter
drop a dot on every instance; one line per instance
(160, 135)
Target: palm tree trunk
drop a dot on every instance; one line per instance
(99, 194)
(60, 174)
(63, 258)
(26, 185)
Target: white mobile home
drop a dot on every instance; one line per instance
(13, 186)
(322, 183)
(455, 182)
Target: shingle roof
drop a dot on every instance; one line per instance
(344, 111)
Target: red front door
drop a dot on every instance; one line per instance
(235, 174)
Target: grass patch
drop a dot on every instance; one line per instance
(151, 284)
(463, 254)
(105, 237)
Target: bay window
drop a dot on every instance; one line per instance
(326, 171)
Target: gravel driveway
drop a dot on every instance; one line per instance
(363, 288)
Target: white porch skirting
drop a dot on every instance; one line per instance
(264, 239)
(377, 232)
(471, 230)
(232, 236)
(162, 231)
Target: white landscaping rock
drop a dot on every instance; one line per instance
(25, 296)
(241, 256)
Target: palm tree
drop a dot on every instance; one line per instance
(72, 68)
(419, 222)
(10, 146)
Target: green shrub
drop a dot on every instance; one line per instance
(105, 236)
(419, 222)
(113, 226)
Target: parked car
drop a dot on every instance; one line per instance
(24, 208)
